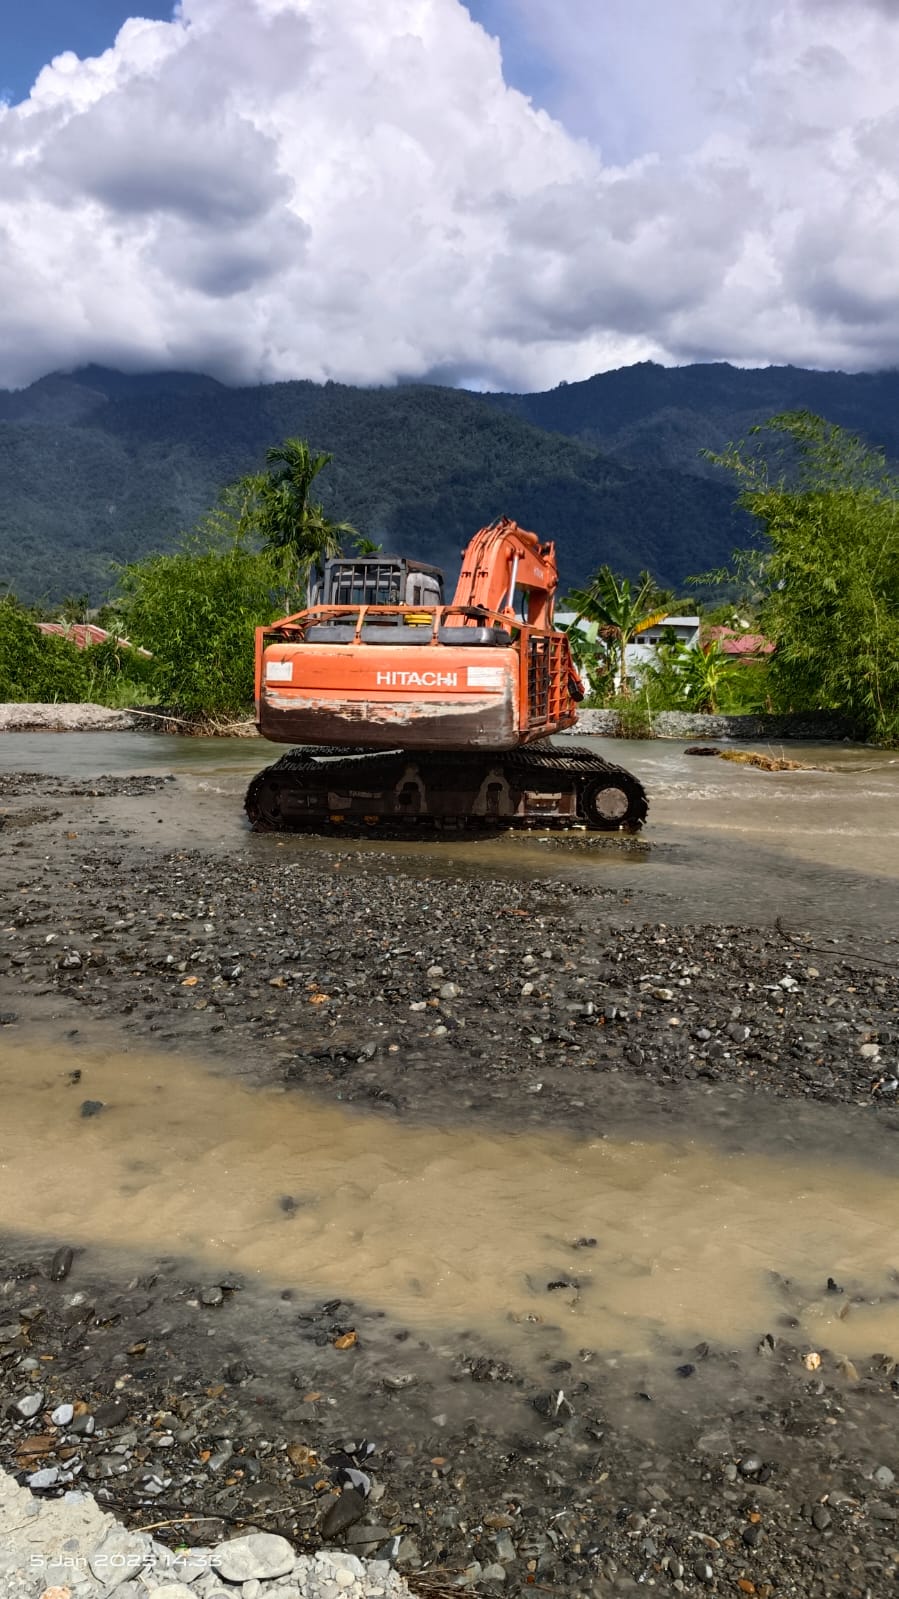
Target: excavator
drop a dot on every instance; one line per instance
(404, 710)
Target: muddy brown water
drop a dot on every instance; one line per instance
(447, 1228)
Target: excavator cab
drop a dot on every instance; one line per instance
(377, 580)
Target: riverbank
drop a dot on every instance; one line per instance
(814, 727)
(821, 727)
(409, 992)
(88, 718)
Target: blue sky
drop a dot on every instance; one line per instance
(33, 31)
(31, 34)
(534, 57)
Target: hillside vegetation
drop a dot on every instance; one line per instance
(101, 467)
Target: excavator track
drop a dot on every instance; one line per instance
(315, 788)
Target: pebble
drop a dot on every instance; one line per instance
(258, 1554)
(120, 1556)
(61, 1264)
(29, 1405)
(210, 1297)
(62, 1415)
(47, 1477)
(884, 1477)
(346, 1510)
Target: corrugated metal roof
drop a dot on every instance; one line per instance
(83, 634)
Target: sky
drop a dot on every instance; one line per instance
(504, 194)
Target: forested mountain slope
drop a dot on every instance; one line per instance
(100, 467)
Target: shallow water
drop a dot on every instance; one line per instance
(448, 1229)
(819, 848)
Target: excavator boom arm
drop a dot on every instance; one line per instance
(502, 558)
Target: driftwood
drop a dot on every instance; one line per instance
(764, 763)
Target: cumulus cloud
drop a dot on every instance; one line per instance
(267, 189)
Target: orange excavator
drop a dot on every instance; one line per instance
(403, 709)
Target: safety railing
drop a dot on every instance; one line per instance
(436, 619)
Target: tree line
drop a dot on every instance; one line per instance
(823, 587)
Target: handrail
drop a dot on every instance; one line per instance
(482, 616)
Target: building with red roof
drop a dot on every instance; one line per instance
(742, 646)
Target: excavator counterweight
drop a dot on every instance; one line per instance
(405, 708)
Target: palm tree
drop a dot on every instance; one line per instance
(620, 612)
(280, 509)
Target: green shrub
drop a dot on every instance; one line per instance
(36, 666)
(197, 611)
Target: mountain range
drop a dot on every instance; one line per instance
(99, 467)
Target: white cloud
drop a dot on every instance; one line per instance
(328, 188)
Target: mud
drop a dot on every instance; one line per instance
(491, 1034)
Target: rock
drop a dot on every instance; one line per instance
(61, 1264)
(505, 1548)
(883, 1477)
(172, 1590)
(259, 1554)
(750, 1466)
(494, 1573)
(92, 1107)
(211, 1297)
(47, 1477)
(346, 1510)
(29, 1405)
(119, 1557)
(821, 1518)
(62, 1415)
(365, 1535)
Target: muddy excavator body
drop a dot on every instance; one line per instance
(404, 708)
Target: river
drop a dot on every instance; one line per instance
(726, 843)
